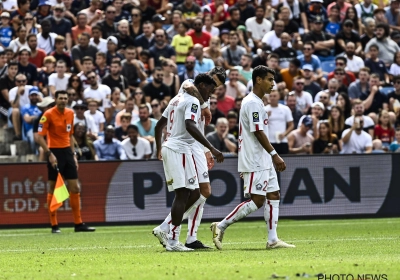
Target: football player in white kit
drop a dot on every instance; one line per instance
(256, 159)
(203, 162)
(181, 117)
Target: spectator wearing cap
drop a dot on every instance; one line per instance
(160, 49)
(60, 25)
(136, 147)
(147, 11)
(198, 35)
(124, 40)
(355, 140)
(379, 16)
(59, 80)
(20, 41)
(309, 85)
(30, 112)
(112, 50)
(258, 26)
(7, 82)
(354, 62)
(27, 68)
(100, 92)
(37, 55)
(348, 76)
(303, 98)
(80, 108)
(292, 71)
(60, 53)
(387, 47)
(369, 32)
(189, 9)
(46, 38)
(317, 114)
(190, 72)
(81, 27)
(332, 93)
(83, 49)
(272, 38)
(345, 36)
(97, 116)
(96, 40)
(109, 148)
(6, 31)
(343, 5)
(157, 20)
(183, 43)
(323, 42)
(43, 11)
(299, 140)
(314, 10)
(392, 14)
(233, 52)
(147, 39)
(108, 27)
(284, 52)
(202, 64)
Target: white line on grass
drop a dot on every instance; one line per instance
(150, 246)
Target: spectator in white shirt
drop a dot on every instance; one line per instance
(101, 93)
(80, 107)
(280, 123)
(272, 38)
(136, 147)
(303, 98)
(234, 88)
(355, 140)
(46, 39)
(59, 80)
(368, 123)
(258, 26)
(354, 62)
(20, 41)
(333, 86)
(97, 116)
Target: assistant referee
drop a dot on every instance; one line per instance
(57, 124)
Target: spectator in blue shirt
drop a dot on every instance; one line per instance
(30, 112)
(145, 124)
(309, 58)
(108, 148)
(202, 64)
(395, 145)
(6, 31)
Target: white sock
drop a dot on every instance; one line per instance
(271, 215)
(165, 225)
(242, 210)
(194, 221)
(173, 235)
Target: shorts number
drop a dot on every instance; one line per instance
(265, 186)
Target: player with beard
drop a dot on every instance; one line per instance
(256, 163)
(204, 161)
(181, 117)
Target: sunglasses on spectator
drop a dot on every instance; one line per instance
(134, 151)
(28, 19)
(340, 63)
(299, 83)
(307, 49)
(154, 105)
(339, 73)
(20, 81)
(135, 15)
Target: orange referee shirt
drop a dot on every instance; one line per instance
(58, 127)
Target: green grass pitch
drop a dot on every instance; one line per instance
(351, 246)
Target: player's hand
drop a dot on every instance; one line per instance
(76, 162)
(53, 160)
(279, 163)
(206, 115)
(210, 160)
(219, 156)
(241, 175)
(159, 156)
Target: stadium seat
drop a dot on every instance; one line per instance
(386, 90)
(181, 68)
(328, 66)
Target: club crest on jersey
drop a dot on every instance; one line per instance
(256, 117)
(205, 174)
(170, 182)
(192, 180)
(194, 108)
(258, 187)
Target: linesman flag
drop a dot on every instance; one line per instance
(60, 194)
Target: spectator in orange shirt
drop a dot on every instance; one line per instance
(81, 27)
(294, 70)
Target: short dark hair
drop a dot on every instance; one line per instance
(87, 58)
(132, 126)
(232, 115)
(249, 56)
(204, 78)
(309, 43)
(30, 35)
(396, 78)
(260, 7)
(385, 27)
(273, 55)
(116, 62)
(342, 58)
(21, 2)
(262, 72)
(13, 63)
(96, 27)
(220, 72)
(296, 62)
(102, 54)
(158, 68)
(185, 25)
(144, 106)
(85, 34)
(374, 46)
(232, 9)
(58, 92)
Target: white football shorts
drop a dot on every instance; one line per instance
(200, 163)
(260, 182)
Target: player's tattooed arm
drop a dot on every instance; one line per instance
(158, 134)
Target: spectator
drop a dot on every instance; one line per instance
(29, 113)
(384, 130)
(112, 50)
(317, 114)
(3, 62)
(245, 70)
(284, 52)
(84, 148)
(291, 26)
(344, 103)
(198, 35)
(365, 10)
(37, 55)
(234, 88)
(120, 14)
(233, 126)
(108, 148)
(235, 20)
(7, 82)
(324, 99)
(225, 102)
(27, 68)
(345, 36)
(303, 98)
(261, 58)
(60, 25)
(147, 39)
(93, 13)
(146, 11)
(145, 124)
(217, 11)
(258, 26)
(368, 123)
(333, 86)
(351, 14)
(58, 80)
(99, 92)
(348, 76)
(96, 115)
(116, 106)
(355, 140)
(46, 39)
(291, 102)
(155, 110)
(299, 140)
(376, 65)
(123, 36)
(361, 87)
(394, 96)
(377, 147)
(176, 20)
(87, 66)
(160, 49)
(336, 121)
(115, 79)
(343, 6)
(245, 10)
(102, 69)
(81, 27)
(60, 54)
(203, 64)
(308, 57)
(327, 142)
(214, 52)
(136, 147)
(332, 27)
(170, 79)
(72, 98)
(221, 139)
(121, 132)
(297, 13)
(309, 85)
(369, 27)
(354, 62)
(6, 31)
(32, 27)
(157, 89)
(280, 122)
(272, 38)
(189, 9)
(374, 100)
(387, 47)
(189, 72)
(232, 53)
(80, 107)
(395, 145)
(132, 69)
(323, 42)
(97, 40)
(44, 74)
(108, 28)
(182, 43)
(238, 105)
(75, 83)
(216, 114)
(81, 51)
(289, 74)
(20, 41)
(392, 14)
(395, 67)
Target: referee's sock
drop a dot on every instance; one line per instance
(75, 202)
(53, 215)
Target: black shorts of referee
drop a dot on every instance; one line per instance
(65, 163)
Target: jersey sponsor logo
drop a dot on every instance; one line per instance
(256, 117)
(43, 119)
(40, 127)
(194, 108)
(258, 187)
(205, 174)
(266, 121)
(170, 182)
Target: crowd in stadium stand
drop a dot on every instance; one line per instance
(337, 69)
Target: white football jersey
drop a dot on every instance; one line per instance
(181, 108)
(253, 117)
